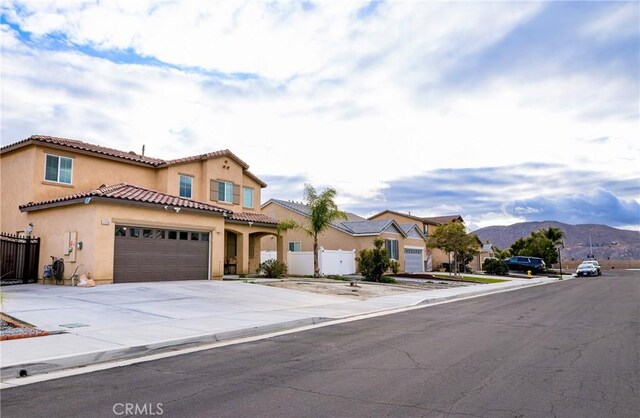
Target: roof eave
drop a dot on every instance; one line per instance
(117, 201)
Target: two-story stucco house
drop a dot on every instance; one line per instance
(404, 241)
(127, 217)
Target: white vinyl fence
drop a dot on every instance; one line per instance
(300, 263)
(268, 255)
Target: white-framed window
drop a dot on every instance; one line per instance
(426, 231)
(247, 197)
(186, 186)
(225, 191)
(392, 248)
(58, 169)
(295, 246)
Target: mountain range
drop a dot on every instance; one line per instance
(606, 242)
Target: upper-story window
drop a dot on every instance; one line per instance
(225, 191)
(426, 231)
(186, 185)
(58, 169)
(247, 197)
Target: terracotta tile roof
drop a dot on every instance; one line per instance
(85, 146)
(253, 217)
(130, 193)
(434, 220)
(439, 220)
(222, 153)
(128, 156)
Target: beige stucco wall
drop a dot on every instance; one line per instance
(203, 171)
(89, 173)
(98, 239)
(16, 184)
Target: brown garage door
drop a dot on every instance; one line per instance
(151, 255)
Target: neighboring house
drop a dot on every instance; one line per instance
(434, 257)
(404, 241)
(127, 217)
(486, 251)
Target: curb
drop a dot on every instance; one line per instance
(43, 366)
(56, 364)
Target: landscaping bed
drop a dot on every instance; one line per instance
(361, 291)
(11, 329)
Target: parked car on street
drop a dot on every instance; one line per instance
(589, 268)
(526, 263)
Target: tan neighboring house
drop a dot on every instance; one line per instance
(127, 217)
(434, 257)
(404, 240)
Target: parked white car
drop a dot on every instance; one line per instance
(589, 268)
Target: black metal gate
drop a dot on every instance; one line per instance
(19, 259)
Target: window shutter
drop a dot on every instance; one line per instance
(236, 194)
(213, 190)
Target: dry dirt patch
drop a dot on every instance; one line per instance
(363, 290)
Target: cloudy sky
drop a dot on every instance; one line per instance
(499, 111)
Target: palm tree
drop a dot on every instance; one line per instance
(322, 212)
(554, 234)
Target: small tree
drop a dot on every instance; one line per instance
(453, 238)
(373, 262)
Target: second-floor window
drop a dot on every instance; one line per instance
(225, 191)
(392, 248)
(186, 184)
(247, 197)
(58, 169)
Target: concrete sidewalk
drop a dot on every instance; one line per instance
(106, 323)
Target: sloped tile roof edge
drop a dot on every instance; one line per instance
(127, 193)
(252, 217)
(124, 155)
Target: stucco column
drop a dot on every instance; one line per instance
(242, 244)
(281, 254)
(217, 253)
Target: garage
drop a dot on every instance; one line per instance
(144, 254)
(413, 260)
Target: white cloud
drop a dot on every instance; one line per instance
(336, 99)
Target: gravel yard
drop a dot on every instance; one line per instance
(10, 330)
(363, 290)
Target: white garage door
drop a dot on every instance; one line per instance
(413, 260)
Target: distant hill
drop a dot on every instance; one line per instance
(607, 242)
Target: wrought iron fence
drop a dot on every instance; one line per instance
(19, 259)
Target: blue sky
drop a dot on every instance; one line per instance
(499, 111)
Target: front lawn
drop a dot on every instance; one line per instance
(468, 279)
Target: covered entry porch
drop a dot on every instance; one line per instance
(242, 243)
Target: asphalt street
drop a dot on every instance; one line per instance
(568, 349)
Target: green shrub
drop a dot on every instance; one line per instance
(273, 269)
(495, 266)
(387, 279)
(373, 262)
(337, 277)
(394, 266)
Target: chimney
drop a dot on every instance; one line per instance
(143, 150)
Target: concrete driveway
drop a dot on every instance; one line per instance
(93, 325)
